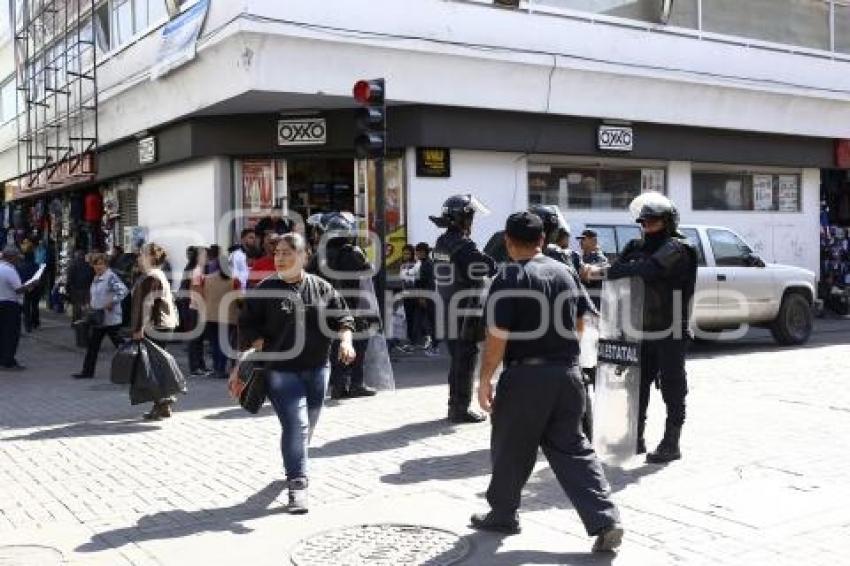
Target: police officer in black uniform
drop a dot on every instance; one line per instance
(592, 256)
(554, 226)
(460, 267)
(540, 399)
(667, 263)
(343, 264)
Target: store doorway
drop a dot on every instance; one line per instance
(320, 185)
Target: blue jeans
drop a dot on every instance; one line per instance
(297, 398)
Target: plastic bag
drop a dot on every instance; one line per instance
(123, 363)
(144, 387)
(399, 324)
(166, 371)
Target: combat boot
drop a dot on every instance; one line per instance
(640, 445)
(668, 449)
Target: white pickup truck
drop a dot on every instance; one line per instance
(734, 286)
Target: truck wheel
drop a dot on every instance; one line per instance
(793, 325)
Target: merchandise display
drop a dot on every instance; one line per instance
(835, 264)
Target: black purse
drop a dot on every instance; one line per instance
(252, 374)
(96, 318)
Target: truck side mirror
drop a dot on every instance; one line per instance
(754, 260)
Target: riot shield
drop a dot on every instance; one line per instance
(377, 368)
(615, 406)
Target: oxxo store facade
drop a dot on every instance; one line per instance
(765, 187)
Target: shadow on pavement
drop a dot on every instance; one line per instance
(86, 429)
(179, 524)
(454, 467)
(239, 413)
(383, 440)
(485, 550)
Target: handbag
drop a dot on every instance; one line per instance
(252, 374)
(96, 318)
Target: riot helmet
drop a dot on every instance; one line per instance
(458, 212)
(338, 225)
(654, 205)
(554, 223)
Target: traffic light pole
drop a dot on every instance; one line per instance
(381, 229)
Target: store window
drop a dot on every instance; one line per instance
(745, 191)
(591, 187)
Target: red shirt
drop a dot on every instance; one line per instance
(262, 268)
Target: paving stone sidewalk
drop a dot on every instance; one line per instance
(83, 480)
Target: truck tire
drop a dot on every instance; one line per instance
(793, 324)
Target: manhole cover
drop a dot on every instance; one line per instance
(30, 555)
(381, 545)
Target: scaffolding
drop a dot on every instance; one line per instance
(56, 62)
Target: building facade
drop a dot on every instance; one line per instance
(738, 112)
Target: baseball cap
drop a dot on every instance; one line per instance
(524, 226)
(588, 234)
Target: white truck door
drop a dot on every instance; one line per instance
(745, 291)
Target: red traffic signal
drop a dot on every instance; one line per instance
(369, 92)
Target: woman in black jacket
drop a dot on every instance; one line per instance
(293, 317)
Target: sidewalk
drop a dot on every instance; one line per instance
(84, 481)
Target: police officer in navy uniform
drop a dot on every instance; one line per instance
(459, 267)
(343, 264)
(667, 263)
(540, 398)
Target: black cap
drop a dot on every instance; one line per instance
(524, 226)
(588, 234)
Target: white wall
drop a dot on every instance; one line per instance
(499, 180)
(178, 206)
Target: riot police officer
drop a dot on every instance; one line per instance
(343, 264)
(539, 399)
(459, 267)
(667, 263)
(554, 229)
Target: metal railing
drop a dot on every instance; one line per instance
(836, 26)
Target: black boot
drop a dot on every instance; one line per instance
(492, 521)
(640, 446)
(668, 449)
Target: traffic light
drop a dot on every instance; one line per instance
(370, 141)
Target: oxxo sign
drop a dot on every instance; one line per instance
(313, 131)
(616, 138)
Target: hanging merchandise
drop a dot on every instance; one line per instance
(93, 207)
(835, 265)
(76, 213)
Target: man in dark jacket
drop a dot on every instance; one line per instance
(80, 276)
(460, 269)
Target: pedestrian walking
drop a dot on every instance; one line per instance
(154, 315)
(239, 257)
(667, 263)
(78, 285)
(27, 268)
(409, 272)
(425, 282)
(190, 306)
(106, 295)
(11, 299)
(460, 268)
(540, 396)
(292, 325)
(263, 266)
(220, 293)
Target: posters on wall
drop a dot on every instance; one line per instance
(763, 192)
(258, 182)
(789, 193)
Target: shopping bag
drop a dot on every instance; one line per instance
(166, 371)
(123, 363)
(377, 368)
(144, 387)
